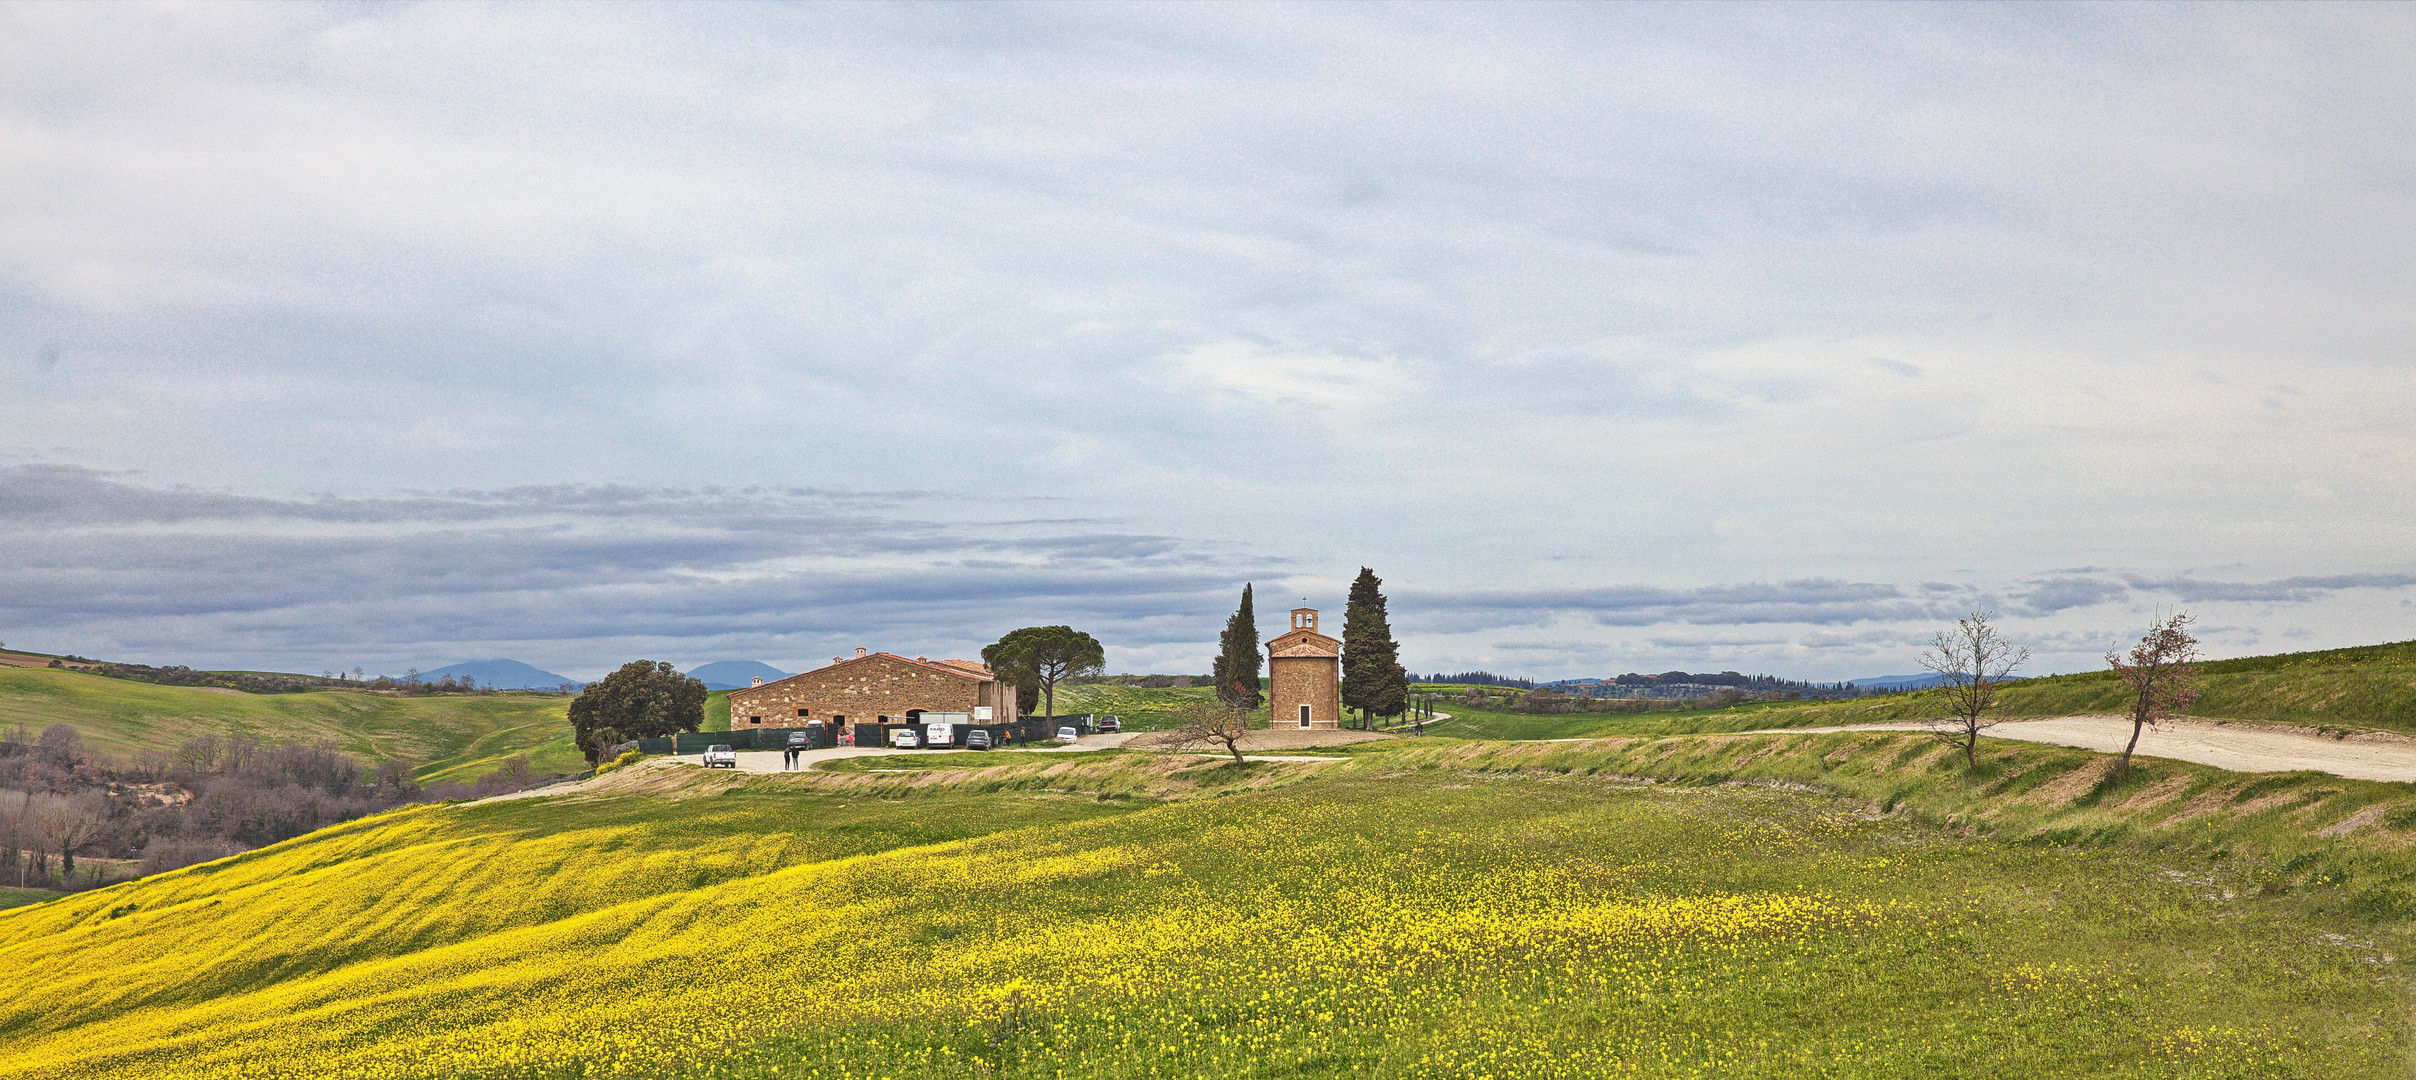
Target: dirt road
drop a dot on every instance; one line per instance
(2237, 747)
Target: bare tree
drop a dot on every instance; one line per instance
(1973, 659)
(16, 826)
(67, 823)
(1210, 723)
(2162, 675)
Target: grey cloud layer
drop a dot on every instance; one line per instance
(792, 319)
(575, 577)
(86, 552)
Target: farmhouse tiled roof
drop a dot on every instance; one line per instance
(962, 669)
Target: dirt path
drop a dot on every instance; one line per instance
(2239, 747)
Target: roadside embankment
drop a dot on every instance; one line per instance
(2300, 829)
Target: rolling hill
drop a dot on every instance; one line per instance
(449, 737)
(1124, 915)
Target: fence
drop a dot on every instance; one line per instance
(1030, 729)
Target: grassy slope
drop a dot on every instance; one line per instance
(2372, 687)
(452, 738)
(1142, 710)
(1353, 918)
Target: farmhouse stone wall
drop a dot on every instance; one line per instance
(873, 689)
(1304, 667)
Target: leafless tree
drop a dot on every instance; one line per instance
(2162, 674)
(1974, 660)
(68, 821)
(1210, 723)
(16, 827)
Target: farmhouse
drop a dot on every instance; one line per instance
(1304, 676)
(879, 688)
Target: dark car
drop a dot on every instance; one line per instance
(978, 739)
(797, 740)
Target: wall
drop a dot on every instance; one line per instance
(1296, 680)
(864, 689)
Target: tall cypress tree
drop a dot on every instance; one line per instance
(1238, 660)
(1372, 679)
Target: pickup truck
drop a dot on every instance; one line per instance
(720, 756)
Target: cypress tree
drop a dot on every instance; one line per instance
(1372, 679)
(1238, 661)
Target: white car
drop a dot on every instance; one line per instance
(1067, 734)
(719, 756)
(905, 739)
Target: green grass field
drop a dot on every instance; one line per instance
(2368, 688)
(1142, 709)
(450, 737)
(1433, 908)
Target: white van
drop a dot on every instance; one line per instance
(937, 735)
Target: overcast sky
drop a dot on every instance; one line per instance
(1615, 338)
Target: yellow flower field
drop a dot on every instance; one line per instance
(1352, 924)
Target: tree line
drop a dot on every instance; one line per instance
(209, 797)
(270, 682)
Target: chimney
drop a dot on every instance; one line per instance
(838, 659)
(759, 680)
(859, 651)
(922, 659)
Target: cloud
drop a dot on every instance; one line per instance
(1260, 375)
(187, 576)
(1816, 601)
(2050, 595)
(2291, 590)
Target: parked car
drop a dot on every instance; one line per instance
(905, 739)
(978, 739)
(1109, 725)
(797, 740)
(1068, 734)
(720, 756)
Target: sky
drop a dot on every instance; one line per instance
(1768, 338)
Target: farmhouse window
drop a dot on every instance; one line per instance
(754, 719)
(1304, 716)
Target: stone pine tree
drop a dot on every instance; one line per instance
(1045, 655)
(1239, 659)
(1372, 679)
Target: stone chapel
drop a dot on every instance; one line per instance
(1304, 676)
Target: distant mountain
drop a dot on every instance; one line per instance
(502, 675)
(734, 674)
